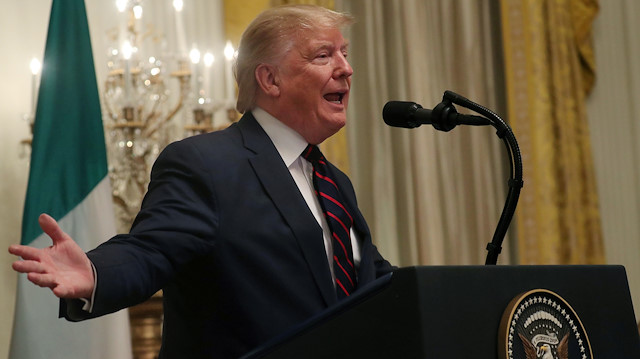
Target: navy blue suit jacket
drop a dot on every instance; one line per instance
(225, 232)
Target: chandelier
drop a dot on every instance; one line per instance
(152, 99)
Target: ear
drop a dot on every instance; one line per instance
(267, 79)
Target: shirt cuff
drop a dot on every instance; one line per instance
(88, 302)
(77, 309)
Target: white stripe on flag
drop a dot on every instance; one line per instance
(108, 337)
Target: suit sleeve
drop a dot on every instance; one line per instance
(177, 223)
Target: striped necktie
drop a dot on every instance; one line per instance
(339, 220)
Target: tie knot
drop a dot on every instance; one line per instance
(312, 154)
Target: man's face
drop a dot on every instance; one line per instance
(315, 78)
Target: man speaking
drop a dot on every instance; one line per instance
(248, 231)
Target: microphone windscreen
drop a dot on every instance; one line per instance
(400, 114)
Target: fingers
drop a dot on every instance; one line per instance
(48, 281)
(28, 266)
(36, 273)
(25, 252)
(52, 229)
(42, 279)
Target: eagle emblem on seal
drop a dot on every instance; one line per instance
(540, 324)
(545, 350)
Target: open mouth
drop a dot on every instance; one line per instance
(335, 97)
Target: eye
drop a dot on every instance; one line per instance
(345, 51)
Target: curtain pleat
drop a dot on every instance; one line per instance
(549, 67)
(430, 197)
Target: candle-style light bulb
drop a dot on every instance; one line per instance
(121, 5)
(127, 51)
(35, 67)
(178, 4)
(228, 51)
(181, 38)
(194, 55)
(137, 12)
(228, 73)
(208, 59)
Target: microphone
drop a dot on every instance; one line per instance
(443, 117)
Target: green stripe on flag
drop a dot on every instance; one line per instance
(68, 157)
(69, 180)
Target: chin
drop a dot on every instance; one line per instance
(338, 122)
(336, 126)
(318, 137)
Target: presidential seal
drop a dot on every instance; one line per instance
(540, 324)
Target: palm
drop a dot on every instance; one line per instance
(63, 267)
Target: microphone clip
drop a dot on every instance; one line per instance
(444, 116)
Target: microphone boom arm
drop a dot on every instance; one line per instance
(515, 163)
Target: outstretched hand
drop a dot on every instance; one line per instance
(63, 267)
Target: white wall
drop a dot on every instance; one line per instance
(23, 29)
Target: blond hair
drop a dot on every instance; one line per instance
(271, 35)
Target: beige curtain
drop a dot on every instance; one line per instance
(430, 197)
(613, 110)
(549, 68)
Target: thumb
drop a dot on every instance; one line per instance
(52, 229)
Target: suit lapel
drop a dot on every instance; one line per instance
(279, 185)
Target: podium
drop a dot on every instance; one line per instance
(457, 312)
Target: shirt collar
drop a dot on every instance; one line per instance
(287, 141)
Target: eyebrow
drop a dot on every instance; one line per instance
(326, 45)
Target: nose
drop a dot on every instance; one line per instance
(342, 69)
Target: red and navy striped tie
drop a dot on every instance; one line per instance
(339, 220)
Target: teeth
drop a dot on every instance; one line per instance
(334, 98)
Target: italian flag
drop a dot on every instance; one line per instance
(68, 179)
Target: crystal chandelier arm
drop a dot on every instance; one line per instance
(151, 120)
(113, 115)
(183, 77)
